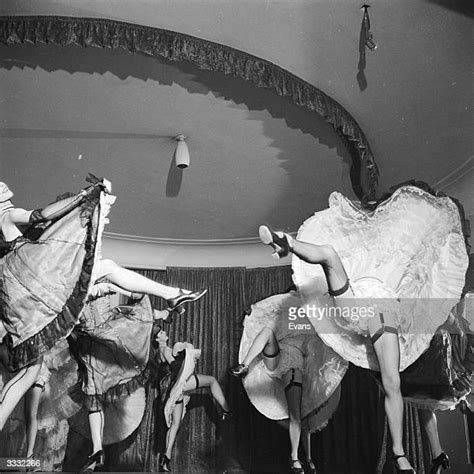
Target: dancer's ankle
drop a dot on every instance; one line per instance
(96, 449)
(172, 293)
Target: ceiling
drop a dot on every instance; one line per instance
(255, 156)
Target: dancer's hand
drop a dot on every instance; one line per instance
(161, 314)
(161, 338)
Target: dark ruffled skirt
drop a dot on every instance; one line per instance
(44, 282)
(442, 376)
(112, 348)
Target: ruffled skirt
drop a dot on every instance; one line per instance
(302, 349)
(407, 259)
(112, 347)
(45, 282)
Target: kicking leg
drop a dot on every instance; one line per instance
(208, 381)
(324, 255)
(388, 354)
(132, 281)
(265, 343)
(293, 390)
(15, 389)
(328, 258)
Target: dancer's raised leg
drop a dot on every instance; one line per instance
(324, 255)
(132, 281)
(208, 381)
(265, 343)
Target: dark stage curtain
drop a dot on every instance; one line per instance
(356, 440)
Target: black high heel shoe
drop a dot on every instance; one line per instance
(164, 464)
(294, 468)
(94, 461)
(406, 471)
(239, 371)
(441, 461)
(178, 311)
(278, 243)
(227, 415)
(309, 466)
(183, 298)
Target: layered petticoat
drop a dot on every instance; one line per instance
(112, 346)
(45, 282)
(442, 376)
(302, 349)
(406, 259)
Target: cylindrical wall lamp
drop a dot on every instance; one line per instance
(181, 154)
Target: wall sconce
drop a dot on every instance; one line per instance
(181, 154)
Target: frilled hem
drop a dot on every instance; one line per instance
(465, 224)
(28, 351)
(311, 282)
(97, 401)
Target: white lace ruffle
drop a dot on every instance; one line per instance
(413, 243)
(322, 368)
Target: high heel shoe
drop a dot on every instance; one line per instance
(239, 371)
(94, 461)
(178, 311)
(182, 297)
(164, 464)
(406, 471)
(279, 243)
(227, 415)
(441, 461)
(309, 466)
(294, 468)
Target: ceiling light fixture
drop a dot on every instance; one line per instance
(181, 154)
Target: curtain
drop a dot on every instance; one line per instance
(356, 439)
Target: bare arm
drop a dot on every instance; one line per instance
(18, 216)
(167, 354)
(12, 219)
(62, 207)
